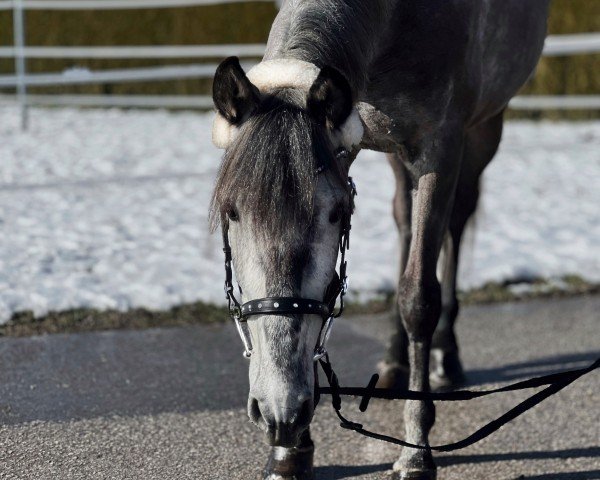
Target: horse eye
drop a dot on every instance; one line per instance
(232, 214)
(335, 215)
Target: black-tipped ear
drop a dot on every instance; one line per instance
(330, 99)
(233, 94)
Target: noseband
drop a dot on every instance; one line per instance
(240, 313)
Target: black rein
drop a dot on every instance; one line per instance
(326, 310)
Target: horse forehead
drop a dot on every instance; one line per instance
(280, 247)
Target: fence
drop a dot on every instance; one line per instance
(555, 46)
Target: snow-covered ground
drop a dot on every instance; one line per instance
(107, 209)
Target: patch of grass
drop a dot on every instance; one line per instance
(87, 320)
(525, 289)
(494, 292)
(381, 303)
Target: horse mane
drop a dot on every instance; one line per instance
(271, 168)
(331, 33)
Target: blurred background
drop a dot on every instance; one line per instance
(106, 164)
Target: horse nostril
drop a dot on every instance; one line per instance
(306, 413)
(255, 414)
(284, 423)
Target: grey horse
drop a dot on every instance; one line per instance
(426, 82)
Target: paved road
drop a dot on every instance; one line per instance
(168, 404)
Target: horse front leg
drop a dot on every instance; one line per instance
(420, 300)
(393, 369)
(481, 143)
(446, 370)
(291, 463)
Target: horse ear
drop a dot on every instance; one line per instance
(330, 99)
(234, 96)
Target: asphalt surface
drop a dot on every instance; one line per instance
(168, 404)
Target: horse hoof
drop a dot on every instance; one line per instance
(446, 372)
(290, 464)
(392, 375)
(415, 475)
(414, 465)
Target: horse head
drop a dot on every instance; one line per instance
(283, 201)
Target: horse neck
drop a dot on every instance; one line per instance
(340, 33)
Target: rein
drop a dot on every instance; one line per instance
(554, 383)
(338, 287)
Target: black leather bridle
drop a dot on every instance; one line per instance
(337, 289)
(553, 383)
(326, 309)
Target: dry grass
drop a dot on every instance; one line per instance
(86, 320)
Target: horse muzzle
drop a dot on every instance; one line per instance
(282, 420)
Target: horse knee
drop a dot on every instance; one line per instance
(444, 337)
(450, 309)
(420, 304)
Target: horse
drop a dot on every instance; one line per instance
(426, 82)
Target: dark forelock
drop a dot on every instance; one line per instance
(271, 167)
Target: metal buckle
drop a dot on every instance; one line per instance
(319, 354)
(352, 185)
(321, 351)
(344, 286)
(235, 312)
(247, 348)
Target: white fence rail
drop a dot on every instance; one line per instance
(575, 44)
(152, 51)
(556, 45)
(204, 102)
(111, 4)
(588, 43)
(563, 102)
(188, 102)
(81, 76)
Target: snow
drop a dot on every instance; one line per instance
(108, 209)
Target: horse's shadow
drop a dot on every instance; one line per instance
(509, 372)
(339, 472)
(584, 475)
(458, 459)
(59, 378)
(531, 368)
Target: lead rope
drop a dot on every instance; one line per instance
(555, 383)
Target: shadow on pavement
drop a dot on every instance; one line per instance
(129, 373)
(338, 472)
(532, 368)
(449, 460)
(587, 475)
(183, 369)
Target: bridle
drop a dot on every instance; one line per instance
(338, 287)
(240, 313)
